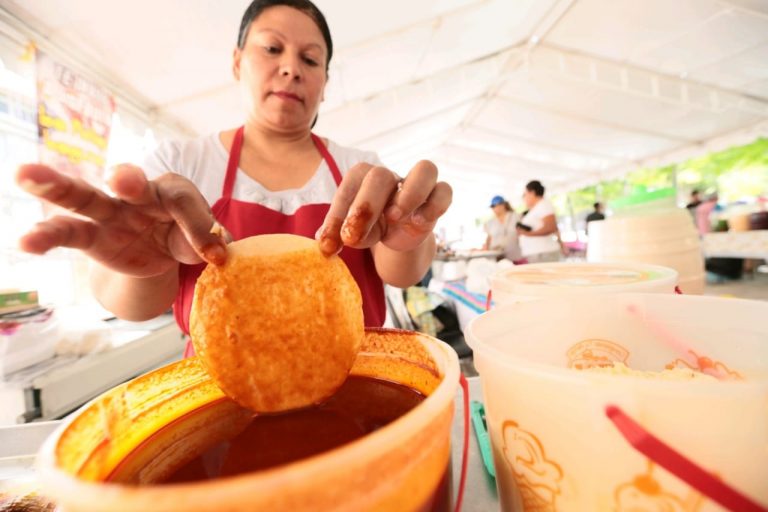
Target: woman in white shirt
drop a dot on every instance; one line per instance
(538, 233)
(502, 230)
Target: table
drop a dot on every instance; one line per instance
(55, 387)
(19, 443)
(469, 255)
(468, 305)
(736, 244)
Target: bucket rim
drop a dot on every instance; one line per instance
(516, 364)
(667, 276)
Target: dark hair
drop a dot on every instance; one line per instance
(536, 187)
(507, 206)
(596, 206)
(695, 192)
(258, 6)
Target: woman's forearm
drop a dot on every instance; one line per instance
(406, 268)
(134, 298)
(545, 231)
(548, 227)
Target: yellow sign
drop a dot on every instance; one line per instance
(74, 118)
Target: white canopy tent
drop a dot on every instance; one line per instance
(496, 92)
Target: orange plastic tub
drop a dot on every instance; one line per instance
(401, 467)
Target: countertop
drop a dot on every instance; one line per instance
(467, 255)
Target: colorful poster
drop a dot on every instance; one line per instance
(74, 117)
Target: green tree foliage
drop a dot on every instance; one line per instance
(736, 174)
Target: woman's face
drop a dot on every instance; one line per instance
(530, 199)
(281, 69)
(499, 209)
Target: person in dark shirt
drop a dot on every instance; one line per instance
(695, 200)
(597, 214)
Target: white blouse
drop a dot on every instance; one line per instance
(203, 161)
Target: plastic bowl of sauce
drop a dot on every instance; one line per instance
(171, 440)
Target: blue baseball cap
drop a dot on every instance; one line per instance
(497, 200)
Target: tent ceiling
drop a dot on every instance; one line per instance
(564, 90)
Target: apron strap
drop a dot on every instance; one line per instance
(233, 163)
(328, 158)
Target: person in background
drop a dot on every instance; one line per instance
(539, 238)
(597, 214)
(695, 200)
(718, 269)
(502, 230)
(703, 214)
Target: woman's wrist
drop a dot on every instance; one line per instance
(404, 268)
(134, 298)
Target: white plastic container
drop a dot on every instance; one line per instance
(526, 282)
(555, 449)
(449, 270)
(28, 343)
(665, 237)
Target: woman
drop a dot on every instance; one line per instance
(539, 236)
(502, 230)
(271, 175)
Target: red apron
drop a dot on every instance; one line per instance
(243, 219)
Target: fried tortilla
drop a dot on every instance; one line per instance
(279, 325)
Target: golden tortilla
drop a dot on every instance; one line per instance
(279, 325)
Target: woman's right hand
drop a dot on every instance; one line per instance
(144, 231)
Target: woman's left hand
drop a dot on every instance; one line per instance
(373, 204)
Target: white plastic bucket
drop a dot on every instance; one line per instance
(555, 449)
(667, 237)
(693, 284)
(526, 282)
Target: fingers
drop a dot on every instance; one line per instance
(130, 184)
(73, 194)
(329, 234)
(411, 231)
(375, 190)
(189, 209)
(355, 217)
(435, 206)
(414, 191)
(139, 205)
(59, 231)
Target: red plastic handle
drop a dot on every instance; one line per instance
(679, 465)
(465, 451)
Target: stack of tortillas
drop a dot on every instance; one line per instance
(279, 325)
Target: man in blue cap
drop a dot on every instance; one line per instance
(502, 230)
